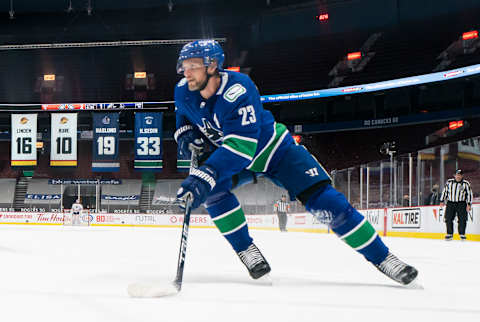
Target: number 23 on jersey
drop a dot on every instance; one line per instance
(248, 115)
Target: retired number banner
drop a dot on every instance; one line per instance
(24, 140)
(105, 142)
(148, 141)
(63, 145)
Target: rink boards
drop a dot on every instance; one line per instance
(417, 222)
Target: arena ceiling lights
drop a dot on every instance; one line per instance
(470, 35)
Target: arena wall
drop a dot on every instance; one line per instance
(416, 222)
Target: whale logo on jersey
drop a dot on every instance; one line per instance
(211, 132)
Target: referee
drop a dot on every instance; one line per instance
(458, 196)
(282, 207)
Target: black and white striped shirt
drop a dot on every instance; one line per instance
(282, 206)
(457, 191)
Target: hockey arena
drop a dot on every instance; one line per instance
(278, 160)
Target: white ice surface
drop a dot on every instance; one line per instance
(61, 274)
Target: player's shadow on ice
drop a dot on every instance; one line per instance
(281, 281)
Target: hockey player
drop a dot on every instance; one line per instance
(224, 107)
(76, 210)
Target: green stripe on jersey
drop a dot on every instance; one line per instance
(243, 146)
(230, 221)
(261, 161)
(361, 236)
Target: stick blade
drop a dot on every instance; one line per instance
(150, 290)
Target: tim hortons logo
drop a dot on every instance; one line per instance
(49, 218)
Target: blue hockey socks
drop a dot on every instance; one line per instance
(350, 225)
(228, 216)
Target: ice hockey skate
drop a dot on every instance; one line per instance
(254, 261)
(399, 271)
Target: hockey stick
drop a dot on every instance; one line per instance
(183, 244)
(151, 290)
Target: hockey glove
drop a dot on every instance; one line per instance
(188, 139)
(198, 185)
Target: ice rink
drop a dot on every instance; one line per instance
(56, 273)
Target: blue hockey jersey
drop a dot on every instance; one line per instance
(234, 120)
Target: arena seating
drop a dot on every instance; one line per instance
(276, 67)
(165, 191)
(255, 198)
(123, 196)
(398, 53)
(7, 197)
(404, 53)
(42, 194)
